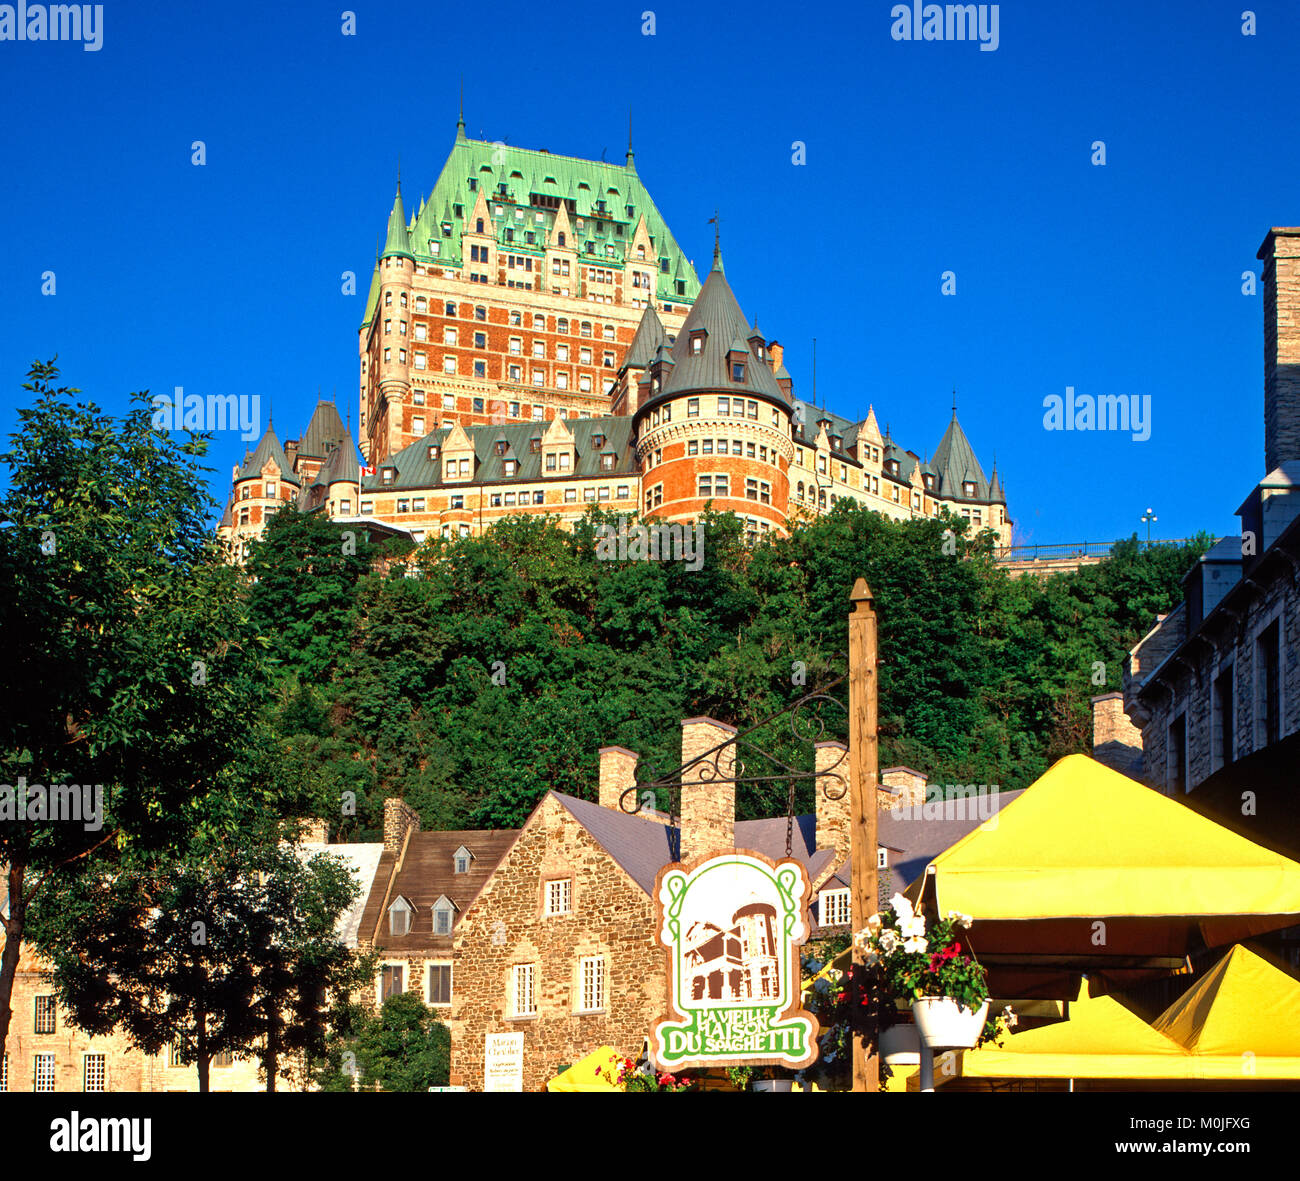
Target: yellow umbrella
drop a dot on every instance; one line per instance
(1241, 1020)
(595, 1072)
(1089, 872)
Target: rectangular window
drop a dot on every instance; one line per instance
(835, 908)
(439, 984)
(1223, 719)
(44, 1072)
(1268, 697)
(1176, 757)
(559, 896)
(751, 489)
(525, 1002)
(417, 425)
(692, 446)
(45, 1010)
(591, 980)
(570, 495)
(390, 981)
(449, 336)
(4, 1073)
(449, 364)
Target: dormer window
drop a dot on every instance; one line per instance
(738, 371)
(444, 916)
(968, 488)
(500, 446)
(399, 916)
(697, 343)
(390, 473)
(433, 450)
(535, 444)
(510, 466)
(597, 440)
(461, 859)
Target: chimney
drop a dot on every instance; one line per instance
(1281, 257)
(708, 820)
(313, 831)
(1116, 742)
(908, 788)
(833, 815)
(398, 817)
(617, 774)
(775, 354)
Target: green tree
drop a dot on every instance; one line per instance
(130, 667)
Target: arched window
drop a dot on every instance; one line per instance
(559, 238)
(799, 494)
(821, 499)
(478, 226)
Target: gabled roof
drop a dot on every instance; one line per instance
(643, 847)
(954, 460)
(558, 178)
(416, 470)
(428, 876)
(362, 860)
(718, 315)
(268, 448)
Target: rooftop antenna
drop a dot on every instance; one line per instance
(460, 118)
(954, 402)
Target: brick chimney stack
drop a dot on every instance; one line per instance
(1281, 257)
(833, 816)
(708, 820)
(617, 774)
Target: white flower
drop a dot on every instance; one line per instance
(913, 927)
(901, 906)
(917, 944)
(963, 920)
(874, 923)
(888, 941)
(1011, 1017)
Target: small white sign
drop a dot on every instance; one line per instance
(503, 1062)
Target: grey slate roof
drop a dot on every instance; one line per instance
(954, 460)
(718, 314)
(416, 470)
(649, 336)
(805, 419)
(268, 447)
(341, 465)
(324, 432)
(643, 847)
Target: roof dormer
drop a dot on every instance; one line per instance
(444, 915)
(401, 913)
(461, 860)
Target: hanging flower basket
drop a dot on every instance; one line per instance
(946, 1024)
(900, 1045)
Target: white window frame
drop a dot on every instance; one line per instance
(86, 1059)
(591, 984)
(834, 907)
(523, 987)
(559, 896)
(428, 984)
(38, 1060)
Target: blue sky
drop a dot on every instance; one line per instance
(922, 157)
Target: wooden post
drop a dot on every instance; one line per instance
(864, 774)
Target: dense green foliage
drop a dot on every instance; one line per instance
(483, 671)
(401, 1047)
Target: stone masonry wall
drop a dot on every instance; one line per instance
(611, 916)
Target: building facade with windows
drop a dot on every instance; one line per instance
(536, 342)
(1217, 680)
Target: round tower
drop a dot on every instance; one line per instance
(393, 376)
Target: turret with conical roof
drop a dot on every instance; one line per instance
(398, 242)
(960, 474)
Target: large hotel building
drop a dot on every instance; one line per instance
(536, 341)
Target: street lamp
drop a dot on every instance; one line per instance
(1148, 517)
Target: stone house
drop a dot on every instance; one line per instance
(1217, 679)
(559, 943)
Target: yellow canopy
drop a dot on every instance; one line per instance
(1089, 872)
(1241, 1020)
(1086, 841)
(582, 1076)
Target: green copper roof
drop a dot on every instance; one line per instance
(649, 336)
(524, 172)
(267, 449)
(372, 300)
(398, 241)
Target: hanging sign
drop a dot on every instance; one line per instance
(732, 925)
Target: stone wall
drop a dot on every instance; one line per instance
(708, 821)
(611, 917)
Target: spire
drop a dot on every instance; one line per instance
(460, 118)
(716, 222)
(630, 163)
(398, 241)
(954, 403)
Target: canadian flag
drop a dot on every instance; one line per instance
(367, 471)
